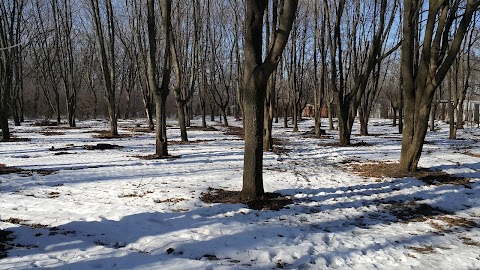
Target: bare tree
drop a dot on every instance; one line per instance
(256, 74)
(67, 62)
(427, 55)
(271, 91)
(10, 19)
(107, 58)
(45, 58)
(222, 53)
(351, 68)
(184, 90)
(160, 91)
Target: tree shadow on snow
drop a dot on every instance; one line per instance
(200, 234)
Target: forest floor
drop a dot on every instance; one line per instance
(67, 204)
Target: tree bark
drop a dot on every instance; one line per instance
(107, 62)
(423, 72)
(256, 74)
(161, 92)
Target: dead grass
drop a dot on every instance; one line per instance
(46, 123)
(24, 222)
(468, 153)
(235, 131)
(16, 139)
(139, 129)
(392, 170)
(7, 170)
(196, 128)
(468, 241)
(337, 144)
(440, 220)
(102, 146)
(412, 211)
(423, 249)
(4, 169)
(110, 136)
(188, 142)
(135, 194)
(52, 133)
(279, 146)
(170, 200)
(452, 221)
(269, 201)
(155, 157)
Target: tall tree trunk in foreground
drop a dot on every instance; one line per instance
(423, 72)
(256, 74)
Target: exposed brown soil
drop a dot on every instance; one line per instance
(110, 136)
(375, 134)
(46, 123)
(52, 133)
(423, 249)
(135, 194)
(279, 146)
(469, 241)
(471, 154)
(439, 219)
(155, 156)
(337, 144)
(311, 134)
(24, 222)
(106, 134)
(269, 201)
(452, 221)
(7, 170)
(235, 131)
(171, 200)
(139, 129)
(391, 170)
(16, 139)
(202, 128)
(412, 211)
(102, 146)
(189, 142)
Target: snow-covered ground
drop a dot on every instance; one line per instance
(108, 209)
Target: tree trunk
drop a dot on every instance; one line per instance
(256, 74)
(330, 115)
(433, 115)
(204, 113)
(343, 125)
(107, 62)
(212, 113)
(363, 123)
(394, 117)
(161, 92)
(161, 149)
(253, 158)
(182, 123)
(423, 72)
(459, 113)
(271, 93)
(295, 116)
(224, 114)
